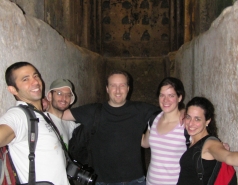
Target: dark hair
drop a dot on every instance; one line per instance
(113, 72)
(10, 78)
(209, 110)
(178, 87)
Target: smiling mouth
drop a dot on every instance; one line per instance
(63, 103)
(166, 106)
(35, 90)
(191, 129)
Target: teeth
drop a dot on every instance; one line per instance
(36, 89)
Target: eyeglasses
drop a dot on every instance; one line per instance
(61, 94)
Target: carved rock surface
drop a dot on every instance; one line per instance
(24, 38)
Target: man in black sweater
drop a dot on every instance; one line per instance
(116, 145)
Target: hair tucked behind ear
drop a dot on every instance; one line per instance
(209, 110)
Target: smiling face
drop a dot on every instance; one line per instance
(195, 121)
(28, 83)
(60, 98)
(168, 99)
(117, 90)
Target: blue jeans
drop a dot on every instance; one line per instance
(140, 181)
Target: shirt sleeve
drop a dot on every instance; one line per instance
(83, 114)
(16, 119)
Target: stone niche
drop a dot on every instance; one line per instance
(135, 28)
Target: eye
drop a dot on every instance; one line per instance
(36, 76)
(123, 85)
(59, 93)
(24, 79)
(68, 95)
(187, 117)
(197, 119)
(113, 85)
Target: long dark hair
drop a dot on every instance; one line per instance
(209, 112)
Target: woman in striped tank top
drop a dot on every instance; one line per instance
(166, 135)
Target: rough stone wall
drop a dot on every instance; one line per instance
(34, 8)
(67, 18)
(135, 28)
(208, 67)
(78, 21)
(146, 75)
(24, 38)
(199, 15)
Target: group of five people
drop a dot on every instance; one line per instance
(116, 146)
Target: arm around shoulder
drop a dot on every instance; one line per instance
(145, 139)
(68, 115)
(218, 151)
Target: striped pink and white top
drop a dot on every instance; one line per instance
(166, 151)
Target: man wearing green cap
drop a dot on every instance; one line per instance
(60, 97)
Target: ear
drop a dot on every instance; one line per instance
(180, 98)
(12, 90)
(107, 89)
(49, 97)
(207, 122)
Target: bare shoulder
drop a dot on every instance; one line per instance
(212, 142)
(211, 146)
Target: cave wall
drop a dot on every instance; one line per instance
(25, 38)
(208, 67)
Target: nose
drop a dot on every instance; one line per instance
(188, 121)
(118, 89)
(35, 81)
(63, 97)
(165, 99)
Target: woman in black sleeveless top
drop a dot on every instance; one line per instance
(200, 124)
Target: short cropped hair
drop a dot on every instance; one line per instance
(113, 72)
(10, 78)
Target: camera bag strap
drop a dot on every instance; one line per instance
(32, 140)
(58, 135)
(96, 123)
(55, 129)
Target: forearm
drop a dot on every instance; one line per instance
(6, 135)
(218, 151)
(145, 140)
(67, 115)
(232, 159)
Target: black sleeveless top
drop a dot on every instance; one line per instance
(188, 174)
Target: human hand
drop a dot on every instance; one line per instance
(226, 146)
(181, 117)
(45, 104)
